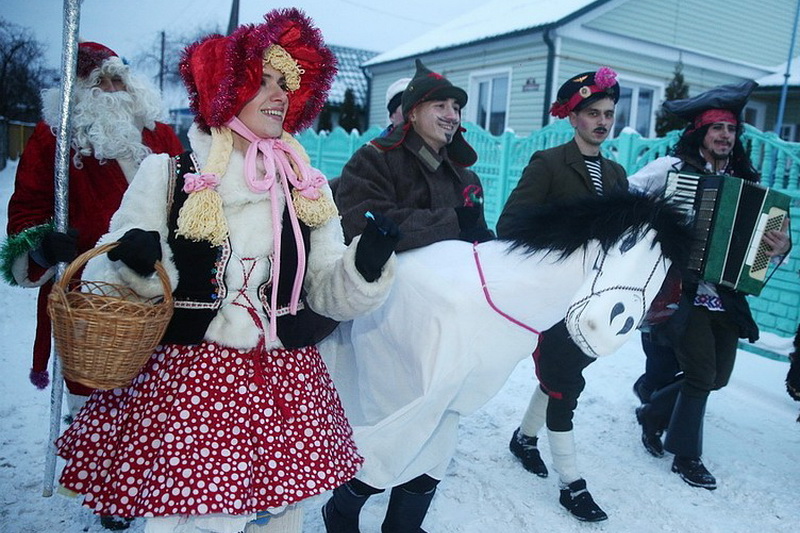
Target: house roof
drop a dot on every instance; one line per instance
(777, 79)
(499, 17)
(349, 74)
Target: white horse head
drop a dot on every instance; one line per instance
(622, 239)
(614, 299)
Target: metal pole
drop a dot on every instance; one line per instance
(233, 21)
(785, 88)
(161, 67)
(69, 60)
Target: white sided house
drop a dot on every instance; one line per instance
(512, 55)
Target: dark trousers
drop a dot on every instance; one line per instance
(559, 368)
(706, 353)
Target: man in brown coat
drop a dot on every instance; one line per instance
(418, 176)
(567, 172)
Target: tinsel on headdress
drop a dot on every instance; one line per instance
(222, 73)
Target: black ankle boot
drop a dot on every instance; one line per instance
(115, 523)
(406, 511)
(693, 471)
(525, 449)
(651, 432)
(340, 513)
(577, 500)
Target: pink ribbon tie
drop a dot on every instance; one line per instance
(278, 156)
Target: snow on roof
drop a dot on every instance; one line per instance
(349, 74)
(495, 18)
(778, 77)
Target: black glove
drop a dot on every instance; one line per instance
(139, 250)
(470, 230)
(468, 216)
(377, 243)
(476, 235)
(56, 247)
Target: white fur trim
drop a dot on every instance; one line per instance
(19, 269)
(335, 287)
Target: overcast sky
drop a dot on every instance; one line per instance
(132, 25)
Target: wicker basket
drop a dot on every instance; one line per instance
(104, 333)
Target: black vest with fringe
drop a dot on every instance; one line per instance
(201, 287)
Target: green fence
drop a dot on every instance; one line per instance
(501, 160)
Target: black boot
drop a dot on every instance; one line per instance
(407, 509)
(651, 434)
(685, 439)
(693, 471)
(654, 416)
(115, 523)
(577, 500)
(340, 513)
(641, 389)
(525, 449)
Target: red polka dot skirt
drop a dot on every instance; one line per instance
(208, 429)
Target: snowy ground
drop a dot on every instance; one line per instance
(752, 445)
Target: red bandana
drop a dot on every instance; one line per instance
(711, 116)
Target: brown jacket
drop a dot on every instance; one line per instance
(555, 175)
(412, 185)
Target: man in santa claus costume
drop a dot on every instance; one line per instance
(114, 128)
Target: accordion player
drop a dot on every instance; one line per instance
(730, 217)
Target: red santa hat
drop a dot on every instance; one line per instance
(91, 56)
(223, 73)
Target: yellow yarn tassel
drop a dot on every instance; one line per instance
(313, 213)
(201, 218)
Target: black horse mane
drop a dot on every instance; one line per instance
(568, 226)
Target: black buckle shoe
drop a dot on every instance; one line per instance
(651, 435)
(694, 472)
(524, 448)
(577, 500)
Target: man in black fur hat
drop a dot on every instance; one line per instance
(701, 338)
(564, 173)
(418, 177)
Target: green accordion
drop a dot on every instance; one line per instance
(730, 216)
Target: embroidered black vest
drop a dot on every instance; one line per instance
(201, 287)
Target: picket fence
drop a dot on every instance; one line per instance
(501, 160)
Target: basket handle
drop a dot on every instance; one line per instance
(84, 258)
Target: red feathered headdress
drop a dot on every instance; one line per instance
(223, 73)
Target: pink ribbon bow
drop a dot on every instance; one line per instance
(198, 182)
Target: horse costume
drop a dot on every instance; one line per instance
(460, 317)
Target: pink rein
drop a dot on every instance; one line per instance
(278, 156)
(489, 296)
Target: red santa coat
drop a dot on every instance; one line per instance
(95, 192)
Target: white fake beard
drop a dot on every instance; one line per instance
(105, 125)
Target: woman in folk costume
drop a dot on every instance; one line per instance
(235, 413)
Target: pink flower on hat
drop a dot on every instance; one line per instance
(605, 77)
